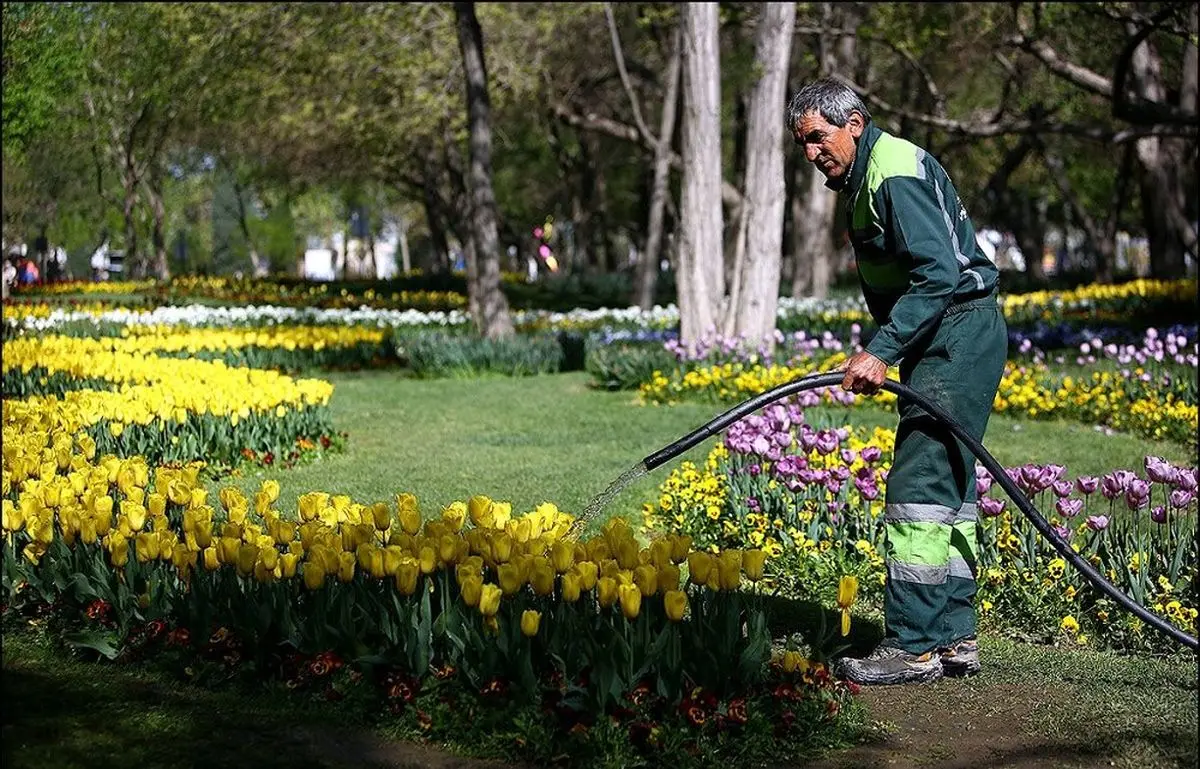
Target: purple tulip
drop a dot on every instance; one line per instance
(1097, 522)
(1063, 533)
(991, 506)
(1056, 472)
(808, 440)
(1160, 470)
(833, 484)
(783, 440)
(1137, 494)
(1087, 484)
(1111, 486)
(1182, 497)
(849, 455)
(1063, 488)
(753, 504)
(1185, 481)
(761, 445)
(1158, 514)
(869, 493)
(827, 443)
(1068, 508)
(982, 484)
(871, 454)
(754, 469)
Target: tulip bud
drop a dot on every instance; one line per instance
(489, 600)
(407, 574)
(570, 587)
(646, 579)
(448, 548)
(479, 509)
(410, 513)
(287, 565)
(631, 600)
(541, 578)
(346, 563)
(247, 555)
(606, 591)
(211, 562)
(502, 548)
(563, 556)
(699, 566)
(381, 516)
(752, 564)
(675, 602)
(314, 574)
(587, 574)
(668, 577)
(427, 559)
(530, 621)
(472, 589)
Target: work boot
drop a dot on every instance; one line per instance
(961, 658)
(890, 665)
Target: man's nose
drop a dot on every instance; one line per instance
(810, 152)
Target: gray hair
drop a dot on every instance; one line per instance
(830, 98)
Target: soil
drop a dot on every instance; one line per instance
(950, 725)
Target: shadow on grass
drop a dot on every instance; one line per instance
(59, 714)
(786, 616)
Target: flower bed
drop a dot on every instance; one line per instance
(812, 499)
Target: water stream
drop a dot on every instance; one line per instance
(601, 500)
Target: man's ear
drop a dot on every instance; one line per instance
(856, 124)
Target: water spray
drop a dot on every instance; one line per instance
(1022, 502)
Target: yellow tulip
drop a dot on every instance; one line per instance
(793, 662)
(472, 589)
(392, 555)
(509, 576)
(530, 621)
(247, 555)
(502, 548)
(287, 565)
(598, 550)
(448, 548)
(752, 564)
(479, 509)
(588, 573)
(454, 516)
(563, 556)
(729, 570)
(699, 566)
(346, 564)
(146, 547)
(262, 502)
(627, 553)
(180, 491)
(381, 516)
(668, 577)
(676, 603)
(211, 562)
(660, 552)
(271, 489)
(646, 579)
(314, 575)
(631, 600)
(407, 574)
(570, 587)
(847, 591)
(681, 545)
(134, 513)
(269, 557)
(13, 518)
(606, 591)
(427, 557)
(409, 513)
(230, 497)
(542, 579)
(87, 531)
(285, 532)
(489, 600)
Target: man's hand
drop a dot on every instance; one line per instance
(864, 373)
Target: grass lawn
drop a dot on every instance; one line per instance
(553, 438)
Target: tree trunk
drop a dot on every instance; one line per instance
(493, 319)
(405, 257)
(132, 265)
(1167, 165)
(753, 306)
(814, 208)
(701, 273)
(159, 266)
(436, 223)
(648, 267)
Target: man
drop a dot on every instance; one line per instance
(933, 293)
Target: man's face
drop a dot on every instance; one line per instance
(826, 146)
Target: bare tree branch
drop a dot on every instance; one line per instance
(620, 57)
(605, 125)
(1024, 125)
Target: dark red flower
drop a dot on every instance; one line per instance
(155, 628)
(736, 711)
(179, 637)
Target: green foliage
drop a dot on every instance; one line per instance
(624, 366)
(443, 355)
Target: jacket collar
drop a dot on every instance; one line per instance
(864, 145)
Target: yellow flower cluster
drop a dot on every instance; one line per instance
(150, 388)
(316, 294)
(19, 311)
(737, 381)
(1091, 297)
(93, 287)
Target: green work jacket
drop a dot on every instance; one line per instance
(913, 242)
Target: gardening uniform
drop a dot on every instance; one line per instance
(933, 293)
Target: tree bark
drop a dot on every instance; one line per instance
(701, 275)
(431, 201)
(753, 306)
(493, 319)
(159, 266)
(405, 257)
(814, 208)
(647, 274)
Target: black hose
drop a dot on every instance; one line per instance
(829, 380)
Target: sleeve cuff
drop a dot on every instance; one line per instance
(884, 347)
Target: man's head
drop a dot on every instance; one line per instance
(826, 118)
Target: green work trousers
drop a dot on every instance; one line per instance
(930, 511)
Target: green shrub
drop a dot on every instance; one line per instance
(624, 366)
(440, 354)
